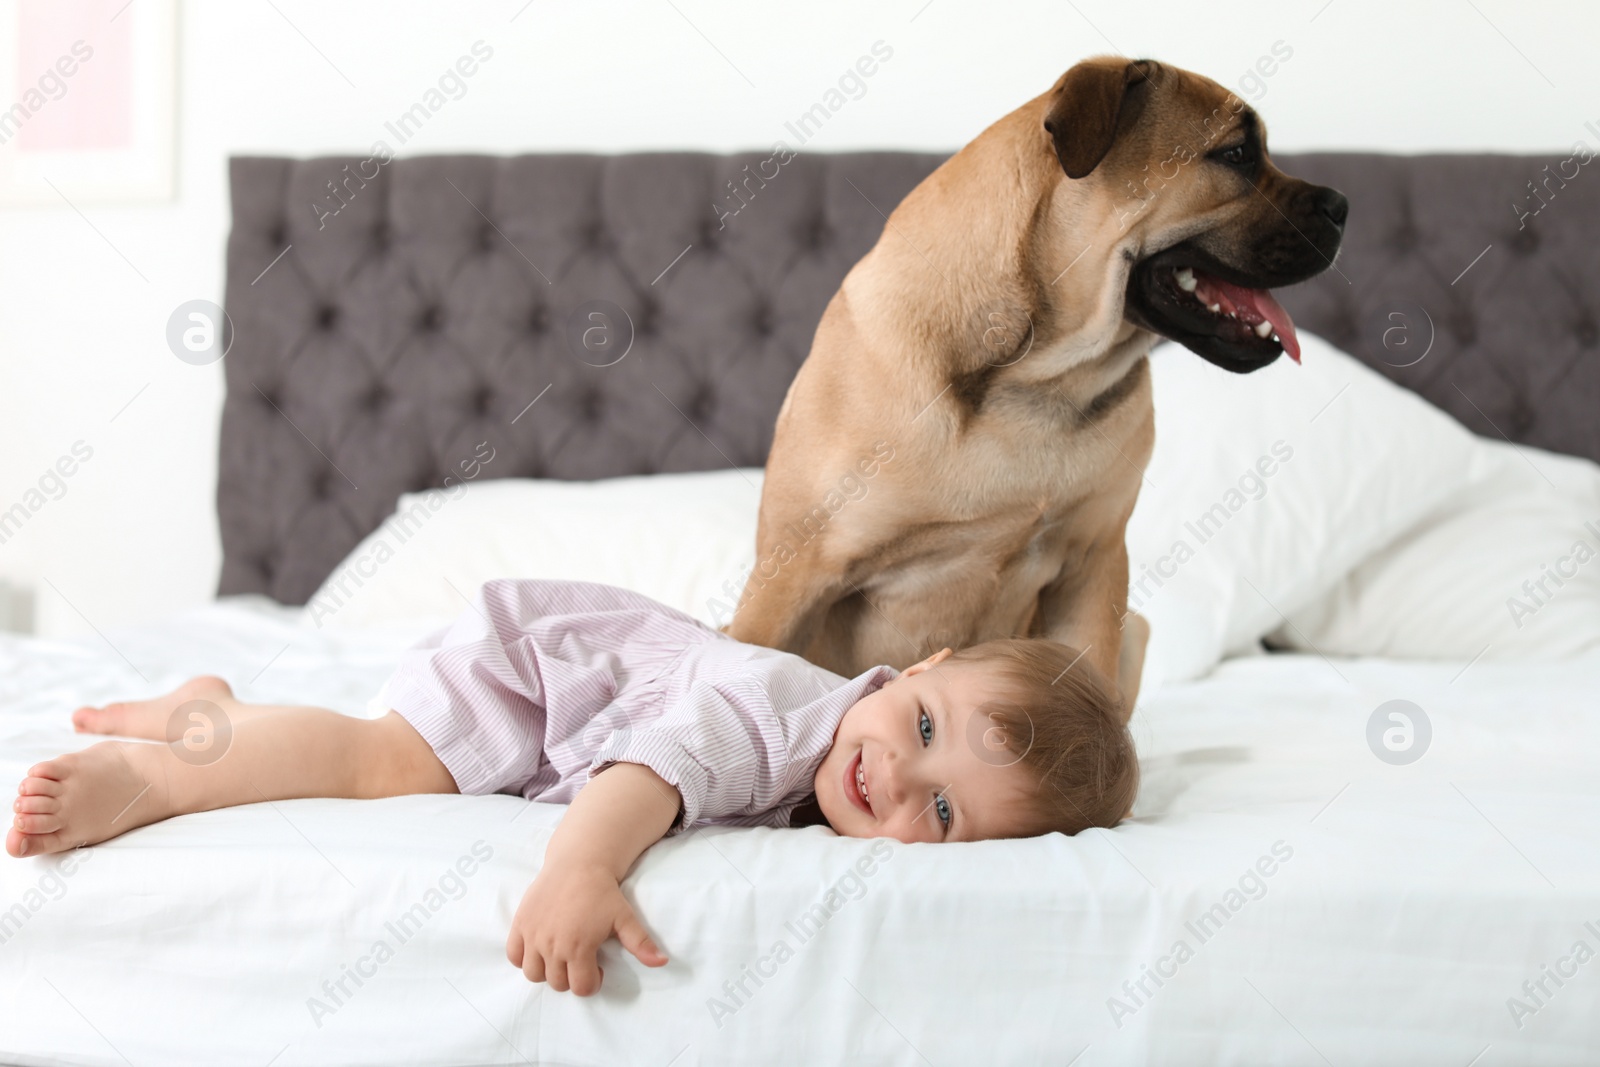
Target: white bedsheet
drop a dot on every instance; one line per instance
(1406, 906)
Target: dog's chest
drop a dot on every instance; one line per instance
(1045, 478)
(1038, 453)
(1011, 550)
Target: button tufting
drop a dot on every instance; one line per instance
(431, 319)
(277, 234)
(327, 316)
(700, 404)
(592, 405)
(486, 236)
(1526, 241)
(376, 398)
(271, 398)
(1521, 415)
(322, 485)
(538, 320)
(762, 321)
(380, 235)
(818, 234)
(266, 566)
(1404, 239)
(1587, 333)
(482, 400)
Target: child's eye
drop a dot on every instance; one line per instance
(942, 807)
(925, 727)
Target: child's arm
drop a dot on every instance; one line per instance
(576, 901)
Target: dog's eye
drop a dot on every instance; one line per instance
(1237, 156)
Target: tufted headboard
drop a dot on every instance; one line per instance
(595, 316)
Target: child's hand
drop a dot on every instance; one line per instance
(576, 903)
(565, 916)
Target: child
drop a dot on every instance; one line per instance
(543, 685)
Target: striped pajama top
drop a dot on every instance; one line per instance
(541, 684)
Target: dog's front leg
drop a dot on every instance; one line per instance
(784, 604)
(1088, 609)
(1130, 664)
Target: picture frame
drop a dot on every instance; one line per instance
(87, 112)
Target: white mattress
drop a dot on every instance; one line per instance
(1414, 902)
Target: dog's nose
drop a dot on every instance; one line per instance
(1332, 203)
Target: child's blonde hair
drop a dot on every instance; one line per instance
(1061, 720)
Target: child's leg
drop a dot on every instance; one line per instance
(274, 753)
(149, 718)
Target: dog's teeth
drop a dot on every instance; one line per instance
(1263, 329)
(1213, 307)
(1186, 280)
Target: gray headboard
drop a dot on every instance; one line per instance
(424, 304)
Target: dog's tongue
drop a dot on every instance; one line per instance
(1266, 307)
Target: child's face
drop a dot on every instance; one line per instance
(924, 780)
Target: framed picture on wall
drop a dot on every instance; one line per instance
(87, 101)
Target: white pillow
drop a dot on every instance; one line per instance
(1507, 569)
(1265, 489)
(688, 540)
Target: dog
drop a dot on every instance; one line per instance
(981, 374)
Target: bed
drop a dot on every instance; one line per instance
(1307, 878)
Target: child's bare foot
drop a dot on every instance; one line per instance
(148, 718)
(83, 798)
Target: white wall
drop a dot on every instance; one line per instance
(135, 535)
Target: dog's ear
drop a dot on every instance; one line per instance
(1094, 102)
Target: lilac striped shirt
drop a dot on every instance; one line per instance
(540, 684)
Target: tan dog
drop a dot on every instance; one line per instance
(958, 457)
